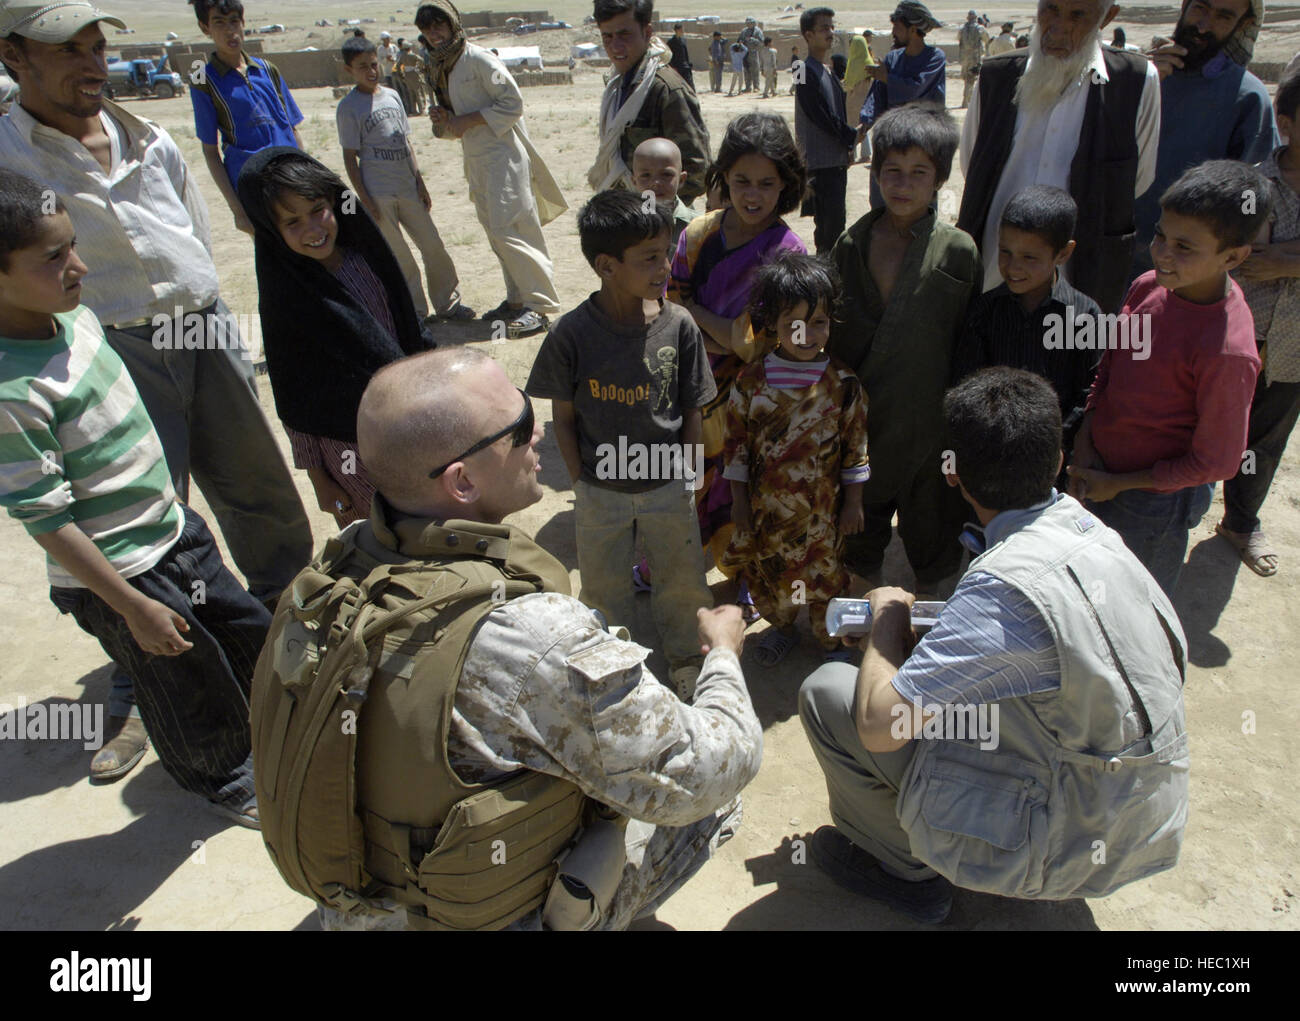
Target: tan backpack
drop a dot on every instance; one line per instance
(354, 687)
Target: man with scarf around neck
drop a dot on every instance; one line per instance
(1212, 108)
(544, 687)
(645, 99)
(1070, 114)
(476, 100)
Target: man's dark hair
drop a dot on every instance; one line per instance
(23, 204)
(1050, 213)
(1003, 427)
(615, 220)
(643, 10)
(809, 18)
(354, 48)
(717, 35)
(679, 27)
(301, 176)
(762, 134)
(358, 33)
(784, 282)
(927, 126)
(204, 9)
(1119, 38)
(1287, 100)
(1232, 199)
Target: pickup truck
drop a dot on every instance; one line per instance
(144, 78)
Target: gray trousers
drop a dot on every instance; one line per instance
(204, 405)
(862, 786)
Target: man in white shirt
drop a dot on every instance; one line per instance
(142, 229)
(1004, 42)
(1038, 117)
(388, 54)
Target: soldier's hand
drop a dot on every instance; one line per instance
(721, 628)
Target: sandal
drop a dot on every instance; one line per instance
(458, 313)
(503, 311)
(245, 815)
(526, 323)
(773, 647)
(1253, 549)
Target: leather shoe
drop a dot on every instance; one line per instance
(928, 901)
(122, 754)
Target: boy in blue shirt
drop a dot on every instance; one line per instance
(241, 98)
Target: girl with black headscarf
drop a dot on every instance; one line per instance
(335, 309)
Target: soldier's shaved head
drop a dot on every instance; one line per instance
(421, 412)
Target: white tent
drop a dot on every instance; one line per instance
(584, 50)
(529, 57)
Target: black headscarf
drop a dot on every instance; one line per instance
(322, 346)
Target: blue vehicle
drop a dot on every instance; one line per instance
(142, 77)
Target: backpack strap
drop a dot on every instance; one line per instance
(225, 121)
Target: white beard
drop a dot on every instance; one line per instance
(1047, 77)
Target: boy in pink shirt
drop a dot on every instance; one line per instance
(1167, 414)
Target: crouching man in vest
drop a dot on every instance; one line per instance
(1033, 743)
(443, 736)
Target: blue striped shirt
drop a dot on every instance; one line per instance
(990, 643)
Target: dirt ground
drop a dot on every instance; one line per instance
(144, 854)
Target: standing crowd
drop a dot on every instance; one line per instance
(1043, 394)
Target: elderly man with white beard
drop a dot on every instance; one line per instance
(1065, 112)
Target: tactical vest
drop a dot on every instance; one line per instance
(1087, 788)
(351, 707)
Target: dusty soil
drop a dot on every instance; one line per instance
(144, 854)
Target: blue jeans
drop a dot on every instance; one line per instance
(1154, 526)
(195, 705)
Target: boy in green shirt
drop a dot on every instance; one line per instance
(908, 278)
(82, 468)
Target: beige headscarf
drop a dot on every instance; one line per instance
(444, 55)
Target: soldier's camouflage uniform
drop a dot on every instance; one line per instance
(545, 688)
(796, 449)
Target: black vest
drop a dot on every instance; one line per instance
(1102, 176)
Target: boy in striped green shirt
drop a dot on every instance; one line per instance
(82, 468)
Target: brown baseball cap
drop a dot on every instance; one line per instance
(50, 23)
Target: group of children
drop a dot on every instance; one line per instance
(809, 358)
(718, 335)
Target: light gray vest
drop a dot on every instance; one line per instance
(1087, 788)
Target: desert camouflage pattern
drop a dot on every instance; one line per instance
(544, 687)
(794, 444)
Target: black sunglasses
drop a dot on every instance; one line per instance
(520, 432)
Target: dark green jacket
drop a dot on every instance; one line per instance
(902, 351)
(671, 110)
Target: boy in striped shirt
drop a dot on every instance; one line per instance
(83, 469)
